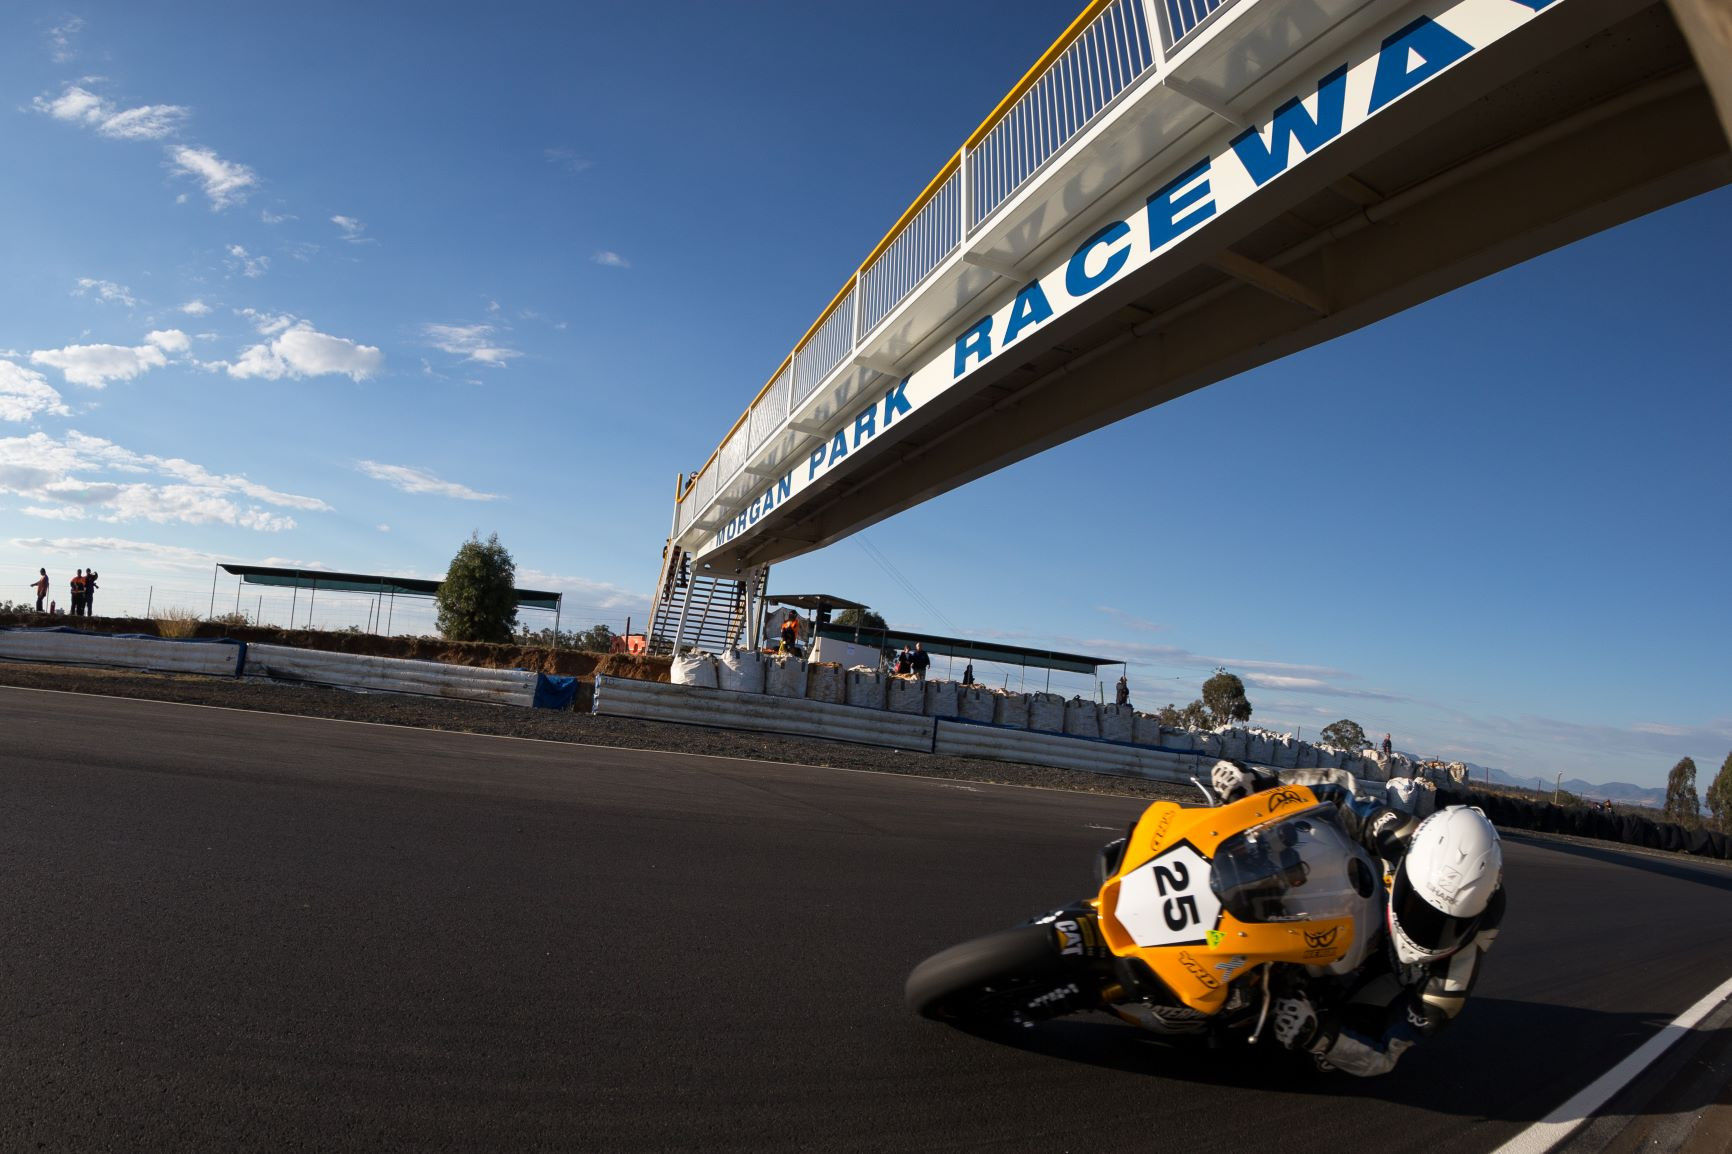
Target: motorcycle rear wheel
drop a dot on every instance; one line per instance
(987, 981)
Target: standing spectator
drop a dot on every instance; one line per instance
(968, 674)
(41, 587)
(1122, 694)
(918, 661)
(89, 590)
(900, 665)
(77, 604)
(790, 633)
(1387, 748)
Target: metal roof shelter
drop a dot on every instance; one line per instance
(814, 602)
(938, 646)
(317, 579)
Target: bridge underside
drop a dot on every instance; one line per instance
(1613, 124)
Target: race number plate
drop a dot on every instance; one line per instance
(1167, 900)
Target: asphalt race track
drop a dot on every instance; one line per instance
(224, 930)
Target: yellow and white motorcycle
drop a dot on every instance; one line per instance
(1205, 915)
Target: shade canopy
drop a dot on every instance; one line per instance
(938, 646)
(368, 583)
(812, 602)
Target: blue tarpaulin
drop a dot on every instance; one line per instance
(553, 692)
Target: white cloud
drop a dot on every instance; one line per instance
(1130, 620)
(25, 393)
(247, 264)
(81, 106)
(147, 552)
(382, 527)
(413, 480)
(106, 291)
(302, 351)
(565, 158)
(225, 183)
(169, 340)
(60, 39)
(610, 260)
(352, 229)
(594, 594)
(95, 365)
(471, 342)
(195, 308)
(65, 475)
(269, 217)
(268, 324)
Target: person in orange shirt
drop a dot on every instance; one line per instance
(78, 593)
(41, 587)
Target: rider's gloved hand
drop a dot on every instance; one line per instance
(1295, 1022)
(1229, 781)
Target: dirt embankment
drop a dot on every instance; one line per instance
(537, 659)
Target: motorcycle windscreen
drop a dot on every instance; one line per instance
(1298, 868)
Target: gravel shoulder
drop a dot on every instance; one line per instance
(547, 725)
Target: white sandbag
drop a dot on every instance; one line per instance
(785, 677)
(865, 687)
(1234, 744)
(1082, 717)
(975, 703)
(941, 698)
(1146, 729)
(1286, 753)
(693, 669)
(905, 695)
(824, 683)
(1307, 755)
(1259, 749)
(741, 670)
(1046, 712)
(1117, 722)
(1208, 743)
(1182, 740)
(1328, 757)
(1010, 709)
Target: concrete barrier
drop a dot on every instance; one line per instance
(64, 646)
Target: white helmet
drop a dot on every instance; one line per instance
(1453, 865)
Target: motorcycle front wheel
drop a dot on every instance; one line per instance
(992, 980)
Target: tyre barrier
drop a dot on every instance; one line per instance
(1598, 825)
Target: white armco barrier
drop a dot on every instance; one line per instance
(159, 654)
(654, 701)
(960, 739)
(392, 675)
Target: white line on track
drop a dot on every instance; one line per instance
(1560, 1123)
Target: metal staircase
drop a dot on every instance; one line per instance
(713, 608)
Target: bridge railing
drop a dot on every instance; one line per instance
(1110, 46)
(1110, 53)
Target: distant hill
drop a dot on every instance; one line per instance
(1621, 792)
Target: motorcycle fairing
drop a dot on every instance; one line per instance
(1165, 905)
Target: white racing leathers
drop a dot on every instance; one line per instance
(1369, 1019)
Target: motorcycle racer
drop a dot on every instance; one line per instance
(1444, 904)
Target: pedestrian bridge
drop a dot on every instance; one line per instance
(1177, 191)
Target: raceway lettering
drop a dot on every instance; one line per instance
(1376, 75)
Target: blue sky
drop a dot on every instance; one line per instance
(338, 289)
